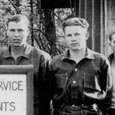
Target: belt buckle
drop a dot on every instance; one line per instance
(75, 107)
(95, 107)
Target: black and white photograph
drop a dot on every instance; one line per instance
(57, 57)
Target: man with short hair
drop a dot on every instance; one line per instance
(80, 79)
(20, 52)
(111, 58)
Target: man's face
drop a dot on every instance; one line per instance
(112, 43)
(76, 37)
(17, 33)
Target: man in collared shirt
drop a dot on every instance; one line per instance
(80, 79)
(20, 52)
(111, 58)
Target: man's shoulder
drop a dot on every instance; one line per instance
(100, 58)
(98, 55)
(36, 52)
(57, 58)
(42, 53)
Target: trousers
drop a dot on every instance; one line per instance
(77, 110)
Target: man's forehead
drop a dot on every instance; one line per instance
(19, 24)
(75, 28)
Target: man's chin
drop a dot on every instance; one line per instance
(76, 49)
(16, 45)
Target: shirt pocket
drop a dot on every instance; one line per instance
(61, 80)
(91, 81)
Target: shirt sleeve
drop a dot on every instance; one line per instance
(106, 83)
(43, 85)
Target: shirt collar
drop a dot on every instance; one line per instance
(89, 54)
(27, 49)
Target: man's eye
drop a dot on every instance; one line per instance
(20, 30)
(69, 35)
(12, 30)
(77, 34)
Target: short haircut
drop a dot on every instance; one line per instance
(75, 21)
(17, 18)
(112, 32)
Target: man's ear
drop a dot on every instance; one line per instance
(87, 35)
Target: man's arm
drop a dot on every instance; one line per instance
(43, 84)
(106, 84)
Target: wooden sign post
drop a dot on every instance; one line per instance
(16, 90)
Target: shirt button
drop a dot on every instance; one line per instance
(74, 81)
(75, 69)
(73, 105)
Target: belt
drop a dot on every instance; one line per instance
(92, 107)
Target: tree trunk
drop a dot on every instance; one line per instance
(50, 30)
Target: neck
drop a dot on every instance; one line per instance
(77, 55)
(16, 51)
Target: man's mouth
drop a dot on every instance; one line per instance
(73, 44)
(16, 41)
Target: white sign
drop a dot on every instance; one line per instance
(13, 94)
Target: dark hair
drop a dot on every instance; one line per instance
(111, 34)
(18, 18)
(72, 20)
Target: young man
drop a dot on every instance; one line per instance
(80, 79)
(112, 63)
(20, 52)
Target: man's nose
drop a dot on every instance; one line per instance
(16, 33)
(73, 39)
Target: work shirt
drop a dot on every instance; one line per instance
(112, 63)
(39, 59)
(83, 83)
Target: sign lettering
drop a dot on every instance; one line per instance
(13, 94)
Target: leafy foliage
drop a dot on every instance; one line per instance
(44, 33)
